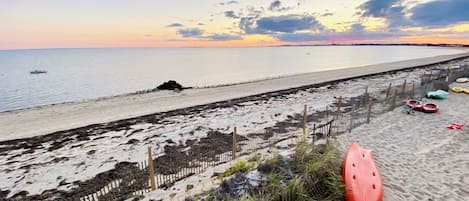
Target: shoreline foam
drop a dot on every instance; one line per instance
(47, 119)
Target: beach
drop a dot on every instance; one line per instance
(76, 141)
(418, 157)
(52, 118)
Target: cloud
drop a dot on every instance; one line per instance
(147, 35)
(280, 24)
(355, 33)
(231, 14)
(224, 37)
(357, 28)
(277, 6)
(231, 2)
(198, 33)
(175, 25)
(441, 13)
(435, 13)
(377, 8)
(228, 3)
(391, 10)
(300, 2)
(190, 32)
(253, 12)
(327, 14)
(330, 37)
(301, 37)
(246, 24)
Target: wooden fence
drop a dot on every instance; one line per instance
(394, 96)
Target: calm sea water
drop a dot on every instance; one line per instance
(77, 74)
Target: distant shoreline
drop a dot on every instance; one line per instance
(295, 45)
(391, 44)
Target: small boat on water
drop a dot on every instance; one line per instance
(38, 72)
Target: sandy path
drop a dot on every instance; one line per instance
(48, 119)
(419, 158)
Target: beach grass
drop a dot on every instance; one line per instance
(312, 172)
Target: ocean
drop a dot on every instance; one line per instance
(80, 74)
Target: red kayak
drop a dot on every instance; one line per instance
(361, 176)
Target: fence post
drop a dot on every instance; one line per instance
(369, 113)
(314, 133)
(366, 96)
(388, 91)
(339, 105)
(351, 119)
(151, 169)
(327, 113)
(403, 87)
(305, 113)
(413, 91)
(393, 102)
(233, 152)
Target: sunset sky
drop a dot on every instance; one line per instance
(229, 23)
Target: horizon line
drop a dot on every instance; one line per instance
(260, 46)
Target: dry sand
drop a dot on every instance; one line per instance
(418, 157)
(43, 120)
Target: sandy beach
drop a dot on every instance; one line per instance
(48, 119)
(418, 157)
(87, 138)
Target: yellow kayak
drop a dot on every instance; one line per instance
(459, 89)
(466, 91)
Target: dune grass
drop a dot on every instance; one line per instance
(313, 172)
(240, 166)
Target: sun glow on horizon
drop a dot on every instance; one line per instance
(221, 23)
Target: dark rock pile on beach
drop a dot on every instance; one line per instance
(170, 85)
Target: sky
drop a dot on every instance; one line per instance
(30, 24)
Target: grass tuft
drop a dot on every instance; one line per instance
(312, 173)
(240, 166)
